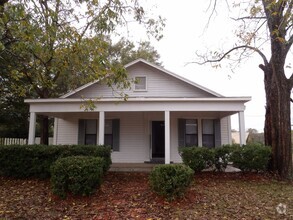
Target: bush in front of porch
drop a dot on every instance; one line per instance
(79, 175)
(23, 161)
(171, 180)
(251, 157)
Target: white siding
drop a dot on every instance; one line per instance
(159, 84)
(67, 131)
(226, 130)
(134, 146)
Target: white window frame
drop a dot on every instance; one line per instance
(146, 84)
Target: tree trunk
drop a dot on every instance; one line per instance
(44, 125)
(277, 121)
(44, 130)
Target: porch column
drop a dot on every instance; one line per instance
(101, 127)
(32, 128)
(241, 128)
(55, 131)
(167, 137)
(199, 129)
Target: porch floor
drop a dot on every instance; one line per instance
(147, 167)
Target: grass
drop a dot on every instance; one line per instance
(128, 196)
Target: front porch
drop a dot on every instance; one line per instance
(140, 130)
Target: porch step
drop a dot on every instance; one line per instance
(132, 167)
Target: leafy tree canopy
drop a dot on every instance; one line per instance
(49, 47)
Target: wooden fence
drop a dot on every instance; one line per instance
(11, 141)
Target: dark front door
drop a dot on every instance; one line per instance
(158, 139)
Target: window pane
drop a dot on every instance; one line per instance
(108, 140)
(191, 126)
(191, 140)
(91, 126)
(208, 126)
(108, 126)
(90, 139)
(208, 140)
(140, 83)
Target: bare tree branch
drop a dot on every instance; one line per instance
(229, 51)
(247, 17)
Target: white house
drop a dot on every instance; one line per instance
(163, 111)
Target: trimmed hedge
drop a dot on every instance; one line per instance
(22, 161)
(79, 175)
(171, 180)
(197, 158)
(222, 156)
(253, 157)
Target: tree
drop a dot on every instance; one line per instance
(45, 41)
(252, 131)
(275, 19)
(125, 51)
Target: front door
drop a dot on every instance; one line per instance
(158, 139)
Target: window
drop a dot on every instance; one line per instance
(188, 132)
(140, 83)
(87, 131)
(108, 133)
(208, 133)
(191, 132)
(112, 133)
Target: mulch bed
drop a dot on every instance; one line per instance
(121, 196)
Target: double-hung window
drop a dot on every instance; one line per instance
(187, 132)
(208, 133)
(87, 132)
(108, 132)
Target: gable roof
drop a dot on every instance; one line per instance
(155, 67)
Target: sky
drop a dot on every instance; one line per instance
(187, 32)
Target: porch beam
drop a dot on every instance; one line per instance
(167, 137)
(101, 127)
(241, 128)
(32, 128)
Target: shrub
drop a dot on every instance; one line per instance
(89, 150)
(79, 175)
(197, 158)
(27, 160)
(171, 180)
(22, 161)
(222, 156)
(253, 157)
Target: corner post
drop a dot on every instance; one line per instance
(167, 137)
(241, 128)
(32, 128)
(101, 127)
